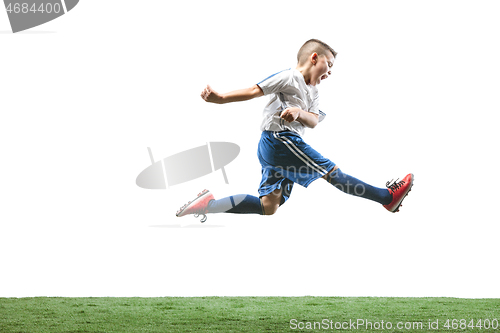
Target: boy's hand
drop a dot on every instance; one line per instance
(307, 119)
(290, 114)
(209, 95)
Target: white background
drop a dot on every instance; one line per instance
(415, 88)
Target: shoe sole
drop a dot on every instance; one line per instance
(401, 202)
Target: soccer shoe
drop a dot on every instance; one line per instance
(198, 206)
(399, 191)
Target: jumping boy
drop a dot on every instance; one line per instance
(285, 157)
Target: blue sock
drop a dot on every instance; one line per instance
(354, 186)
(236, 204)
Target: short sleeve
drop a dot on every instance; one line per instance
(322, 116)
(276, 82)
(314, 106)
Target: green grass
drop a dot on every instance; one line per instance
(238, 314)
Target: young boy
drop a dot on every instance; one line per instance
(285, 158)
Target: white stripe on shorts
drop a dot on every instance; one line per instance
(300, 154)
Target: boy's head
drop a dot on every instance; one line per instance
(315, 60)
(314, 46)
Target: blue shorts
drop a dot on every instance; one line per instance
(286, 159)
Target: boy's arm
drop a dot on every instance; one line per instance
(212, 96)
(307, 119)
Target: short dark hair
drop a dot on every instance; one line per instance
(311, 46)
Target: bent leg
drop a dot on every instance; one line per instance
(356, 187)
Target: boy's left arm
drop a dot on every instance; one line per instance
(307, 119)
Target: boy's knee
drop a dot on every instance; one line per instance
(331, 171)
(271, 202)
(270, 209)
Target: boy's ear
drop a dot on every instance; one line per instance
(314, 58)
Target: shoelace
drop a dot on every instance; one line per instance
(395, 185)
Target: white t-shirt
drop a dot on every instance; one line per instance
(288, 89)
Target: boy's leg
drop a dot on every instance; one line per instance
(270, 192)
(354, 186)
(236, 204)
(247, 204)
(274, 190)
(205, 203)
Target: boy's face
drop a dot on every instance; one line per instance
(321, 69)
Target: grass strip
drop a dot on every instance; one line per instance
(248, 314)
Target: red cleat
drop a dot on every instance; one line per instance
(198, 206)
(399, 191)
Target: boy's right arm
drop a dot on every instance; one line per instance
(212, 96)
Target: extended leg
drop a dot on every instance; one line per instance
(356, 187)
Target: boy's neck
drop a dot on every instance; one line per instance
(305, 71)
